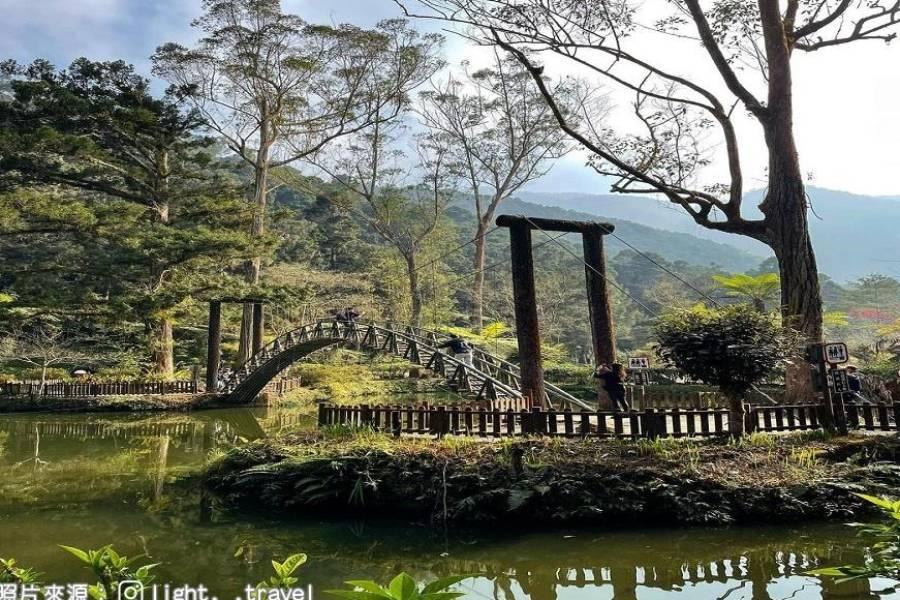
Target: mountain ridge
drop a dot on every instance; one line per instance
(838, 222)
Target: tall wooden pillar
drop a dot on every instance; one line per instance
(527, 327)
(258, 324)
(213, 346)
(603, 333)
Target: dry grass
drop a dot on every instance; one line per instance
(758, 460)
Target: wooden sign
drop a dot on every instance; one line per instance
(639, 362)
(839, 381)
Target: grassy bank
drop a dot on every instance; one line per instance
(545, 482)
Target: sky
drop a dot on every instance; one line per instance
(847, 108)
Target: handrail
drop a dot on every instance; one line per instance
(408, 333)
(515, 370)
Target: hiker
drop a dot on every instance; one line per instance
(614, 383)
(346, 315)
(854, 395)
(462, 350)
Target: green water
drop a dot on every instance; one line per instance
(89, 480)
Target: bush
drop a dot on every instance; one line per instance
(733, 348)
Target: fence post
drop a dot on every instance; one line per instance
(649, 424)
(538, 421)
(441, 418)
(396, 423)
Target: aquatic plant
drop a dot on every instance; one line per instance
(885, 558)
(401, 587)
(110, 568)
(10, 573)
(284, 572)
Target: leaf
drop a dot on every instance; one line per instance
(442, 596)
(292, 562)
(881, 502)
(78, 553)
(367, 585)
(403, 587)
(357, 595)
(279, 570)
(439, 585)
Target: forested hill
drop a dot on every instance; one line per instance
(674, 246)
(839, 224)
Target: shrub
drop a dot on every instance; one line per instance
(733, 348)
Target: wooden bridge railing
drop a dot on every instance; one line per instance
(649, 423)
(87, 389)
(487, 377)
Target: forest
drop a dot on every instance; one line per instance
(325, 167)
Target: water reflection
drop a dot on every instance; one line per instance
(88, 480)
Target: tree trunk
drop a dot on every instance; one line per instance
(245, 341)
(258, 229)
(477, 316)
(44, 368)
(784, 207)
(788, 235)
(162, 340)
(736, 416)
(414, 291)
(162, 350)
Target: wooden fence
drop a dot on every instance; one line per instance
(686, 397)
(86, 389)
(649, 423)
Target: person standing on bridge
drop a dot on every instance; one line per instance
(613, 379)
(347, 315)
(462, 350)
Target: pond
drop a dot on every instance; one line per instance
(90, 480)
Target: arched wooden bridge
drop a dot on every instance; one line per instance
(488, 378)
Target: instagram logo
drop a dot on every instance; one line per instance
(130, 589)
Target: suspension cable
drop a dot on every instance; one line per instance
(581, 259)
(495, 265)
(663, 267)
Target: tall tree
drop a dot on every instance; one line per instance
(749, 47)
(502, 135)
(95, 128)
(403, 205)
(277, 89)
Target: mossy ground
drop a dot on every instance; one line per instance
(760, 478)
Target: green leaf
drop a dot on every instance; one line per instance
(292, 562)
(403, 587)
(357, 595)
(367, 585)
(442, 596)
(439, 585)
(881, 502)
(78, 553)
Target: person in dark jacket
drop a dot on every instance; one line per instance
(613, 379)
(855, 385)
(461, 349)
(347, 315)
